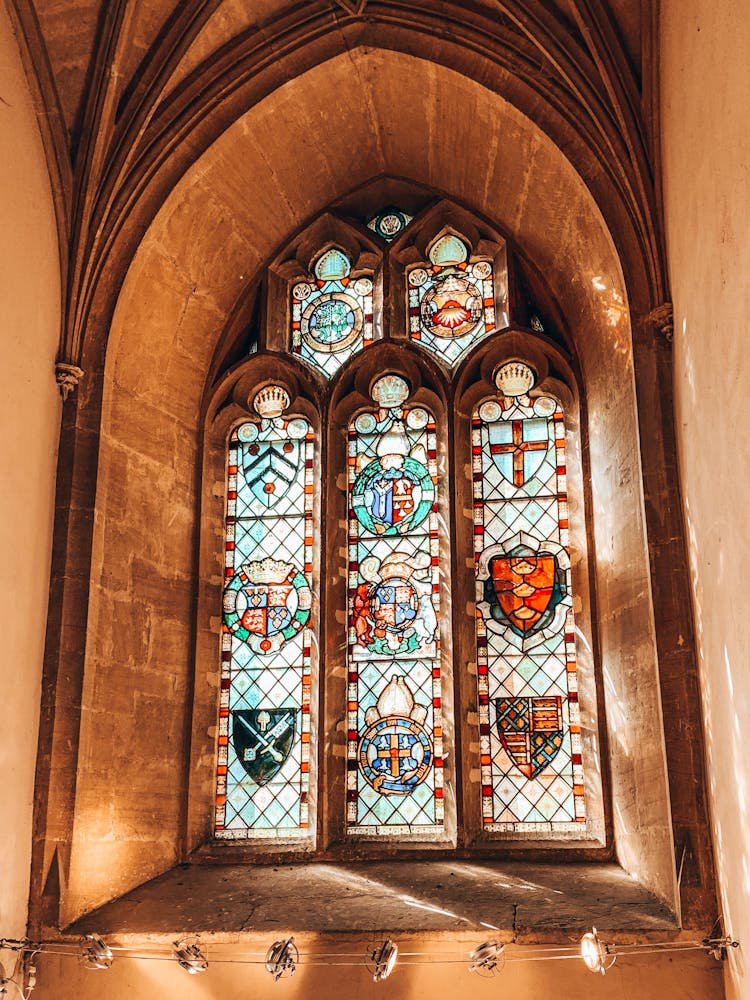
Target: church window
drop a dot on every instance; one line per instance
(530, 743)
(451, 300)
(394, 759)
(331, 312)
(389, 223)
(442, 561)
(264, 760)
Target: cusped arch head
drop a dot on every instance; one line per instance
(188, 268)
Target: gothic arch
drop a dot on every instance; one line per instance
(205, 244)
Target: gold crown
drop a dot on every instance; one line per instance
(271, 401)
(268, 571)
(514, 378)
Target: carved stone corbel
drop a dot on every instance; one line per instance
(67, 377)
(662, 317)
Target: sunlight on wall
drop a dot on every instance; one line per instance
(707, 201)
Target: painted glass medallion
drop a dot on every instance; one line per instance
(389, 223)
(530, 742)
(451, 301)
(331, 313)
(394, 783)
(264, 717)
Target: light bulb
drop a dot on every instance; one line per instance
(282, 958)
(384, 960)
(95, 954)
(596, 956)
(189, 957)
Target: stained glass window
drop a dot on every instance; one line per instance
(331, 313)
(530, 742)
(263, 770)
(389, 223)
(394, 760)
(451, 302)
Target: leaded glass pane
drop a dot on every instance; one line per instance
(331, 313)
(263, 768)
(530, 735)
(451, 300)
(389, 223)
(395, 766)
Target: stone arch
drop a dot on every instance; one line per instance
(208, 240)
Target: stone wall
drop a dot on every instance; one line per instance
(29, 418)
(706, 149)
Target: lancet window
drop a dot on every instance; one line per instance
(530, 743)
(395, 758)
(263, 771)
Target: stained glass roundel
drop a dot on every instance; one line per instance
(453, 307)
(332, 322)
(389, 223)
(331, 313)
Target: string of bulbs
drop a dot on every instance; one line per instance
(283, 958)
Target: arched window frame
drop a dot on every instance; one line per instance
(233, 406)
(330, 404)
(556, 378)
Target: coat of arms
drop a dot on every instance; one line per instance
(394, 492)
(531, 731)
(263, 739)
(453, 307)
(395, 752)
(392, 613)
(523, 588)
(266, 603)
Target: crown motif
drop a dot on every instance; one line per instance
(268, 571)
(398, 570)
(390, 390)
(514, 378)
(271, 401)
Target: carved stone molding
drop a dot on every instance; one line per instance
(662, 318)
(67, 377)
(351, 6)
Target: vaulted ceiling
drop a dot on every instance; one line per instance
(130, 93)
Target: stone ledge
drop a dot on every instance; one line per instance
(530, 901)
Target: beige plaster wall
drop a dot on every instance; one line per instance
(645, 977)
(706, 144)
(29, 427)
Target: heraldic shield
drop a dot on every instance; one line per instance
(524, 588)
(531, 731)
(263, 739)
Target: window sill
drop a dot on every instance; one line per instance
(534, 901)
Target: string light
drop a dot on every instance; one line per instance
(383, 960)
(95, 954)
(485, 957)
(189, 957)
(597, 957)
(718, 948)
(282, 958)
